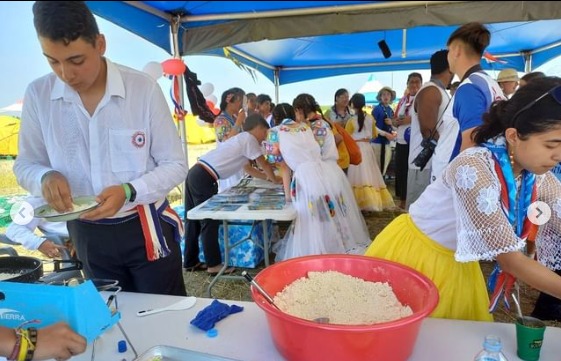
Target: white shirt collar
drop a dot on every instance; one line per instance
(115, 85)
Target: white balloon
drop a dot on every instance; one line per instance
(212, 98)
(154, 69)
(207, 89)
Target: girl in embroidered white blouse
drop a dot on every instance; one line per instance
(478, 210)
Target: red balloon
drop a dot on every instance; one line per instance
(173, 66)
(212, 107)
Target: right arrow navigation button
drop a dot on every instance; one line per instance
(539, 213)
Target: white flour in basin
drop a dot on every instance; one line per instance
(344, 299)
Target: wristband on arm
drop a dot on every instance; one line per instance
(127, 191)
(132, 197)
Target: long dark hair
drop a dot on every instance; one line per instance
(230, 96)
(358, 102)
(540, 117)
(65, 21)
(307, 103)
(283, 111)
(338, 93)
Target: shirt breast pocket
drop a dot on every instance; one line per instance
(128, 150)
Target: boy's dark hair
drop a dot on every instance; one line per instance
(474, 34)
(65, 21)
(262, 98)
(253, 121)
(439, 62)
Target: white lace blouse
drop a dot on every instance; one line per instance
(462, 212)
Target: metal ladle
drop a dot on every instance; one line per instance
(518, 308)
(264, 293)
(269, 299)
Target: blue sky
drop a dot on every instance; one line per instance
(22, 61)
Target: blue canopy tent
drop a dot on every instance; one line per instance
(291, 41)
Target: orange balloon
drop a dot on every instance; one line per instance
(210, 104)
(174, 66)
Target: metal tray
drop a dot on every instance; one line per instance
(169, 353)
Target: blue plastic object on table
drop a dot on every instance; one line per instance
(216, 311)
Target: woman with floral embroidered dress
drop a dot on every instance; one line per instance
(328, 220)
(477, 210)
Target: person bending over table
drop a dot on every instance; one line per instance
(202, 183)
(477, 209)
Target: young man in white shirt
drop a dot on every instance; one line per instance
(95, 128)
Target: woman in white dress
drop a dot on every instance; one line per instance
(366, 178)
(328, 219)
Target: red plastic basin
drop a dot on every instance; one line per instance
(302, 340)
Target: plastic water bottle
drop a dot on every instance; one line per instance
(492, 350)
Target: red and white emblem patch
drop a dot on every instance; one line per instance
(139, 139)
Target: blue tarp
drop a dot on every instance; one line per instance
(308, 40)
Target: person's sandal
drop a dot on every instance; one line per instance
(198, 267)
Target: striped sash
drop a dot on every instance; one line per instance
(149, 215)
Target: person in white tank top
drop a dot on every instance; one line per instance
(430, 103)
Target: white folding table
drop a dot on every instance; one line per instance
(288, 213)
(246, 336)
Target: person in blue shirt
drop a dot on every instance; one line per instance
(474, 96)
(383, 114)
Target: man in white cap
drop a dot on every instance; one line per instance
(508, 81)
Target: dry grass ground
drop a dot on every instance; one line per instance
(197, 282)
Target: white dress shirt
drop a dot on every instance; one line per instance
(130, 137)
(233, 154)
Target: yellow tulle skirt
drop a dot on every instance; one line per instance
(461, 285)
(372, 199)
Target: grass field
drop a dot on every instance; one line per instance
(8, 183)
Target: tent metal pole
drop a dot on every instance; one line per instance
(404, 44)
(182, 131)
(175, 23)
(527, 62)
(277, 82)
